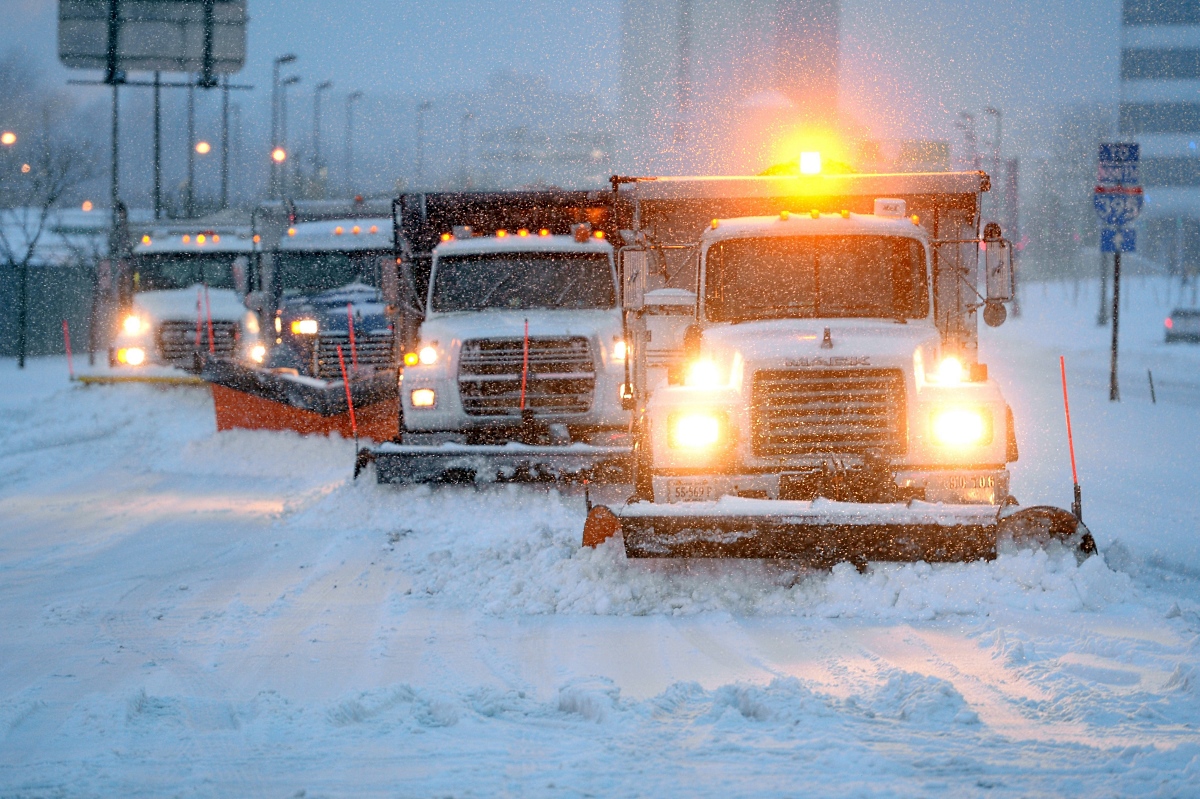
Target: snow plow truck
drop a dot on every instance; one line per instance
(821, 399)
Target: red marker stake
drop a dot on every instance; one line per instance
(353, 348)
(208, 315)
(1077, 505)
(525, 365)
(349, 399)
(67, 342)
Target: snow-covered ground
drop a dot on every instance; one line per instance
(184, 613)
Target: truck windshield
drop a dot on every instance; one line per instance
(312, 272)
(523, 280)
(816, 277)
(181, 271)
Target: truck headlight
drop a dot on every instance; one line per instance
(950, 371)
(134, 356)
(620, 350)
(132, 324)
(305, 327)
(962, 427)
(702, 373)
(423, 397)
(427, 355)
(695, 430)
(257, 353)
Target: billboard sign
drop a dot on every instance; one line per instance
(202, 36)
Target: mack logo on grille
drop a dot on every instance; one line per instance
(839, 360)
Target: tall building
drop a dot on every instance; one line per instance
(1160, 109)
(710, 85)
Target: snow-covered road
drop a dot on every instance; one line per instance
(193, 614)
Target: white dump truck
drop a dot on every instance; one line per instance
(822, 397)
(183, 298)
(518, 365)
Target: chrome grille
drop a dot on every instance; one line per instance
(372, 351)
(561, 379)
(177, 340)
(809, 411)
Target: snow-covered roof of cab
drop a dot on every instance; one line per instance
(339, 235)
(479, 245)
(793, 224)
(176, 240)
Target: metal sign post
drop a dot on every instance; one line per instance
(1118, 201)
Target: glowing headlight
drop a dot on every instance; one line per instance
(257, 353)
(427, 356)
(962, 427)
(702, 374)
(423, 397)
(134, 356)
(132, 324)
(695, 430)
(950, 371)
(619, 351)
(305, 327)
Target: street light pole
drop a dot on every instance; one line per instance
(351, 99)
(291, 80)
(225, 143)
(189, 205)
(321, 87)
(275, 94)
(422, 109)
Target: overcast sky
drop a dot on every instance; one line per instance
(908, 68)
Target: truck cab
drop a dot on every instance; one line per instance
(183, 298)
(521, 337)
(329, 275)
(814, 367)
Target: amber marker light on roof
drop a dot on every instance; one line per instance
(257, 238)
(599, 234)
(187, 239)
(374, 229)
(501, 234)
(145, 240)
(446, 237)
(291, 231)
(216, 239)
(337, 231)
(543, 232)
(201, 239)
(522, 232)
(356, 230)
(87, 205)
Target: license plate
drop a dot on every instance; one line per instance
(690, 491)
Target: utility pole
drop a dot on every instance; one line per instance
(189, 204)
(464, 176)
(318, 178)
(351, 99)
(422, 109)
(225, 143)
(157, 145)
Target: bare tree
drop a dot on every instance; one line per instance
(35, 189)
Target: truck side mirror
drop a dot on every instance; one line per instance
(998, 274)
(634, 265)
(693, 337)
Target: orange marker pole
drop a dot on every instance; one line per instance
(1077, 505)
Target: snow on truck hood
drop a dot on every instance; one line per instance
(881, 341)
(175, 304)
(511, 324)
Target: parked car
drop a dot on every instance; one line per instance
(1183, 325)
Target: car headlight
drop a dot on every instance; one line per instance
(134, 356)
(423, 397)
(257, 353)
(304, 327)
(962, 427)
(132, 324)
(702, 373)
(695, 430)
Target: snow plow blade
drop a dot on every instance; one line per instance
(409, 463)
(822, 533)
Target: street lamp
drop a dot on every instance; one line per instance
(278, 155)
(8, 138)
(351, 99)
(276, 64)
(323, 86)
(203, 148)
